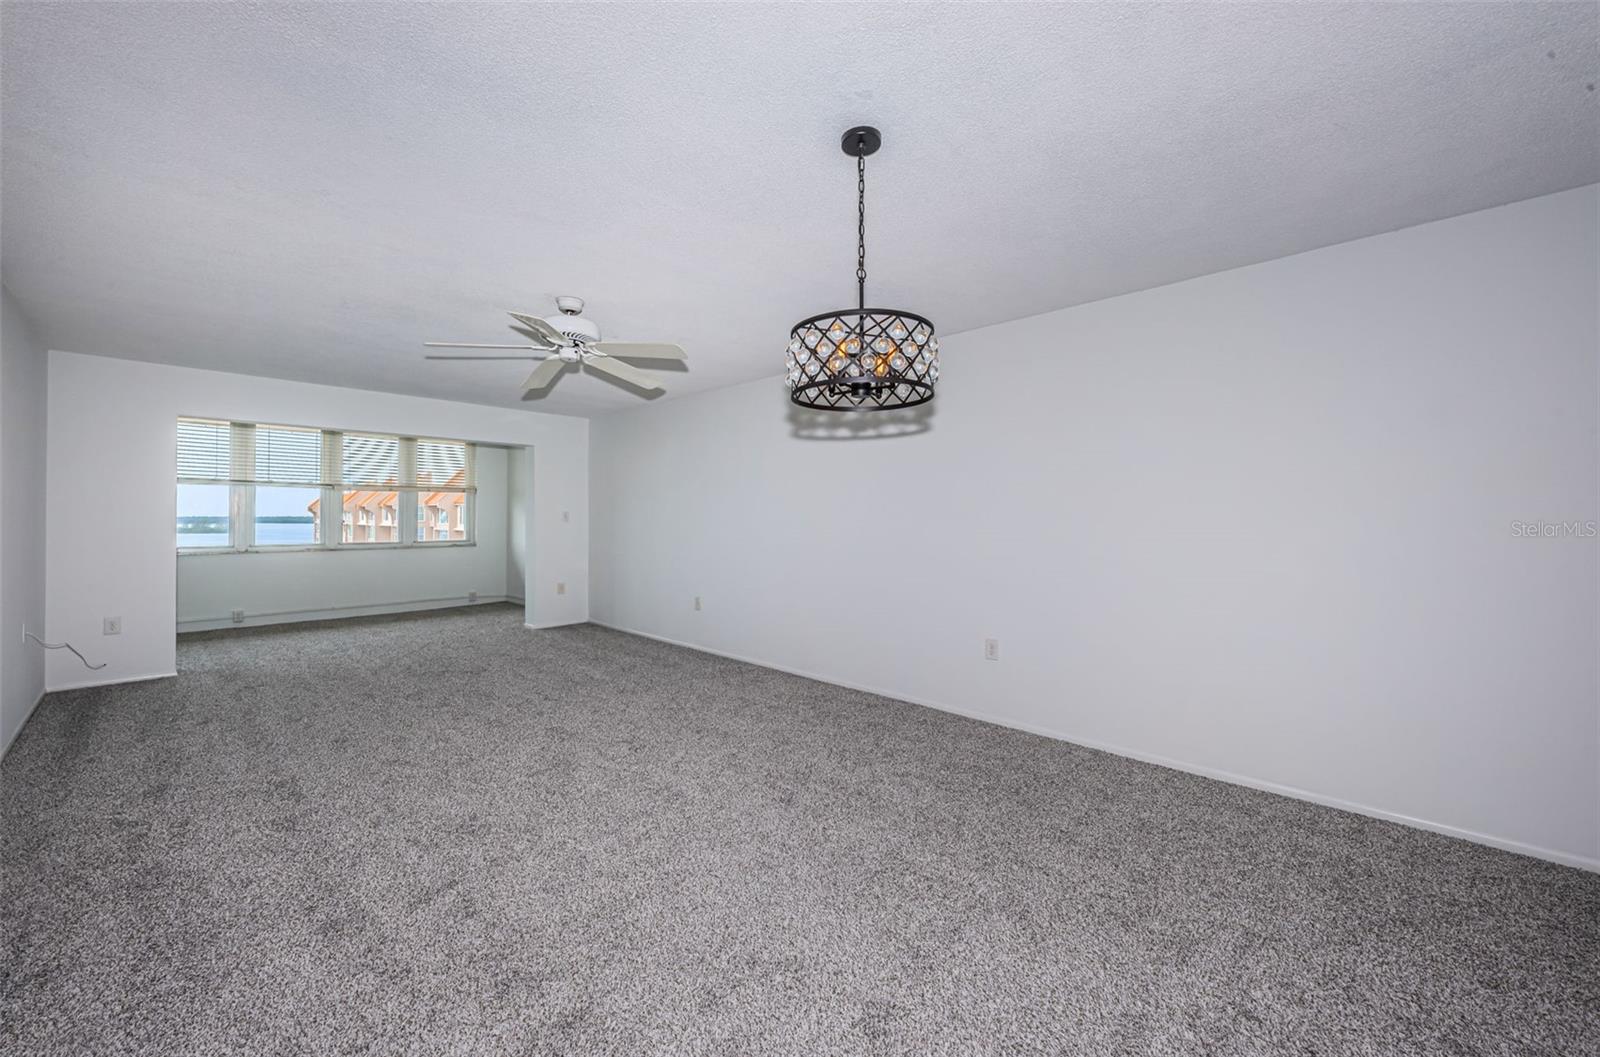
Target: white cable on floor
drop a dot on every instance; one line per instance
(65, 646)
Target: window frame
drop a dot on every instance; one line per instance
(329, 526)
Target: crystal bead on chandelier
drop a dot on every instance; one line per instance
(862, 359)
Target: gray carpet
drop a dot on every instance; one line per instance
(450, 835)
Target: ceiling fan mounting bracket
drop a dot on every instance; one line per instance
(569, 305)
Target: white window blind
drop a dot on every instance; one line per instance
(370, 460)
(204, 450)
(288, 456)
(444, 464)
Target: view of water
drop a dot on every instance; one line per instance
(268, 533)
(271, 532)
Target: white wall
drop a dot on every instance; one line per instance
(274, 587)
(110, 494)
(1257, 524)
(519, 482)
(22, 517)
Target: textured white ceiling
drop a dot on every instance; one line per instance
(310, 191)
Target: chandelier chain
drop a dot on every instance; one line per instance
(861, 232)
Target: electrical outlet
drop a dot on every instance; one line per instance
(472, 596)
(111, 626)
(991, 649)
(238, 616)
(697, 603)
(561, 588)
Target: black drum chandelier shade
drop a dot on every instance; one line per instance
(862, 359)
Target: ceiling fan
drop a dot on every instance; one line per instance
(569, 338)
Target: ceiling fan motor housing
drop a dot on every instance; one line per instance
(575, 327)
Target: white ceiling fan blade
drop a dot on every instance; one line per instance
(543, 374)
(433, 357)
(538, 342)
(544, 330)
(641, 350)
(476, 345)
(618, 369)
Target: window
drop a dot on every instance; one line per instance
(244, 486)
(205, 473)
(372, 514)
(203, 520)
(373, 461)
(442, 463)
(370, 460)
(287, 517)
(204, 450)
(445, 467)
(442, 517)
(288, 486)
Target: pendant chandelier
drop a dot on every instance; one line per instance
(862, 359)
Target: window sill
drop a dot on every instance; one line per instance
(343, 548)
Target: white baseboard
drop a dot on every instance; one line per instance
(297, 616)
(558, 624)
(1581, 862)
(85, 683)
(26, 716)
